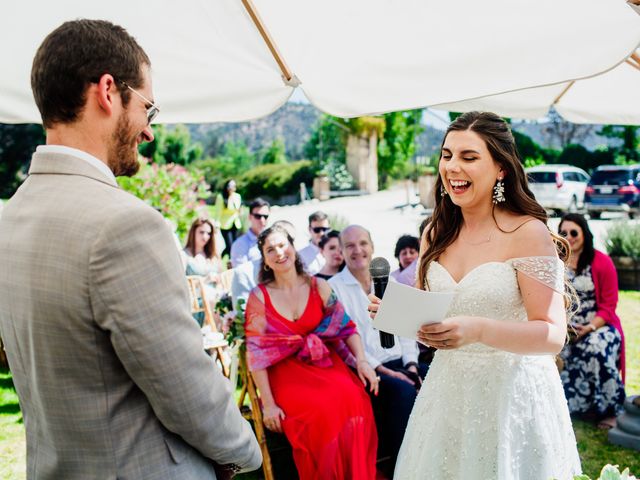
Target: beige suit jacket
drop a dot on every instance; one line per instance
(107, 361)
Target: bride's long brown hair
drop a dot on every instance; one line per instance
(446, 220)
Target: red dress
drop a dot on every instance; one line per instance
(329, 421)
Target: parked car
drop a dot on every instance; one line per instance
(558, 187)
(614, 188)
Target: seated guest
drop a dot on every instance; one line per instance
(593, 373)
(245, 248)
(333, 260)
(407, 248)
(398, 369)
(202, 259)
(311, 256)
(202, 255)
(245, 277)
(299, 342)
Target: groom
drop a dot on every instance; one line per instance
(107, 362)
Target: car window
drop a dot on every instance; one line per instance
(583, 177)
(571, 177)
(610, 177)
(542, 177)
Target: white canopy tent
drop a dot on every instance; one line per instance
(612, 97)
(351, 58)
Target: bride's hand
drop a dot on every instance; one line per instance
(453, 332)
(373, 306)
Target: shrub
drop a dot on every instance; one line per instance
(275, 181)
(623, 240)
(171, 189)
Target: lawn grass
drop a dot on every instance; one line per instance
(593, 446)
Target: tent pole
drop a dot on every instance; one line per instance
(253, 13)
(557, 99)
(634, 60)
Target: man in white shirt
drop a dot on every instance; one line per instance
(245, 248)
(311, 255)
(397, 366)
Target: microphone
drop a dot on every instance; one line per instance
(379, 270)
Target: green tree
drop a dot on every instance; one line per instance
(328, 142)
(17, 144)
(398, 143)
(171, 146)
(628, 134)
(274, 153)
(234, 160)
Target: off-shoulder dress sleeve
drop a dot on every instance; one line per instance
(547, 270)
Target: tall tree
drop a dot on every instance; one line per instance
(398, 143)
(328, 142)
(628, 134)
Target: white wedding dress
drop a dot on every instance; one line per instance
(484, 413)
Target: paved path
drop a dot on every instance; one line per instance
(387, 216)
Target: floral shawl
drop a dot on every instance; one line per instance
(269, 339)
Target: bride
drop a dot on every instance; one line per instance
(492, 405)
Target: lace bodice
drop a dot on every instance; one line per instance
(503, 300)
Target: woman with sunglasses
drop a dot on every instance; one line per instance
(594, 363)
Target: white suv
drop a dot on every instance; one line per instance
(558, 187)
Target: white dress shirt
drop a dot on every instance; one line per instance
(355, 301)
(312, 258)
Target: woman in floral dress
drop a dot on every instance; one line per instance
(593, 374)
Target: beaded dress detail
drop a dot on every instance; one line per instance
(484, 413)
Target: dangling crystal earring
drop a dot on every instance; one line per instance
(443, 191)
(498, 192)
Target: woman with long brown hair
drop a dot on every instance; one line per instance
(492, 405)
(299, 343)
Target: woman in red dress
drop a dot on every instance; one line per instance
(299, 342)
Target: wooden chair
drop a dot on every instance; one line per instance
(200, 304)
(253, 413)
(226, 278)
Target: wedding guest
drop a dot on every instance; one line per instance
(593, 373)
(299, 342)
(398, 368)
(406, 252)
(329, 245)
(311, 255)
(492, 404)
(245, 248)
(245, 276)
(107, 362)
(227, 210)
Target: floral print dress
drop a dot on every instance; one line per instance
(591, 379)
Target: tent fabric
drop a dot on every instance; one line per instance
(352, 58)
(612, 97)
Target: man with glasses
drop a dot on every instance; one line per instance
(106, 359)
(311, 255)
(245, 248)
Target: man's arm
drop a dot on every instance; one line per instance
(239, 252)
(139, 294)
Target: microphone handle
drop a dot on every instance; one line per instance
(379, 286)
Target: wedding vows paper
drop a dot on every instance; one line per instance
(404, 309)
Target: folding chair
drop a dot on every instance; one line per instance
(200, 304)
(254, 413)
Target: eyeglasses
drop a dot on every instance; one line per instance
(565, 233)
(152, 110)
(320, 229)
(260, 215)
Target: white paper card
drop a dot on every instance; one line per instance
(404, 309)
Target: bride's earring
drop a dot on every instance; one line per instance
(498, 192)
(443, 191)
